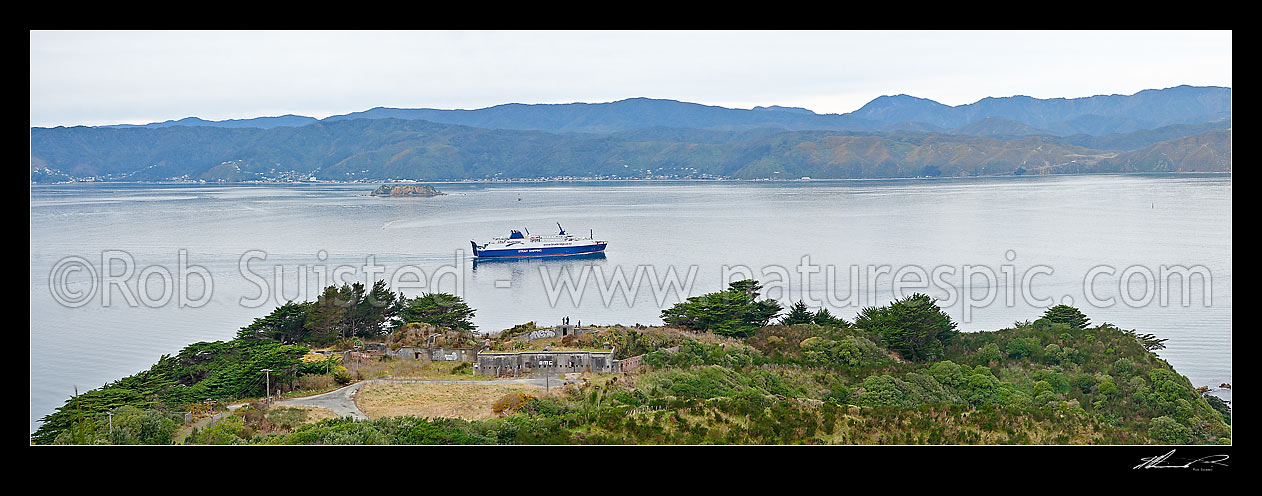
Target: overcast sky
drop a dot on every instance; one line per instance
(112, 77)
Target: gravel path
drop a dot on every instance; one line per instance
(338, 401)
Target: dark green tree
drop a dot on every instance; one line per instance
(734, 312)
(220, 370)
(914, 326)
(350, 311)
(287, 324)
(325, 317)
(357, 318)
(1166, 430)
(1065, 314)
(1149, 341)
(747, 287)
(440, 309)
(825, 318)
(989, 353)
(1022, 347)
(798, 314)
(375, 309)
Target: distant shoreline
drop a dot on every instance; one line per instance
(630, 179)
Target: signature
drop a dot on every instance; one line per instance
(1197, 464)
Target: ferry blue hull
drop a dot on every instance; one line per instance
(551, 251)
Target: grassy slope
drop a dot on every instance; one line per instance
(1093, 386)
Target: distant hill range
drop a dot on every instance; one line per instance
(1178, 129)
(288, 120)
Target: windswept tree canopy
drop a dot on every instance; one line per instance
(914, 326)
(344, 312)
(440, 309)
(1065, 314)
(798, 314)
(734, 312)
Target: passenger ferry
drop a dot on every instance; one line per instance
(517, 244)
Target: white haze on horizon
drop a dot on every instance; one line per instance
(138, 77)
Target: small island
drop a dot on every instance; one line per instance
(422, 190)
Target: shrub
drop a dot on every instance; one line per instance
(229, 430)
(947, 372)
(981, 389)
(820, 351)
(136, 426)
(1219, 406)
(341, 376)
(838, 394)
(1021, 347)
(1166, 430)
(989, 353)
(882, 390)
(1123, 366)
(287, 418)
(1083, 382)
(1068, 355)
(511, 402)
(313, 382)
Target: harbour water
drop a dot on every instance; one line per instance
(204, 259)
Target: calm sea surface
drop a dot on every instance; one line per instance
(993, 250)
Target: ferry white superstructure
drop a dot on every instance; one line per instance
(517, 244)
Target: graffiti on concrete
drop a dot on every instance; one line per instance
(542, 333)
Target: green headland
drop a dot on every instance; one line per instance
(726, 368)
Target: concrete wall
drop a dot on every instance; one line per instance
(410, 352)
(631, 364)
(435, 354)
(452, 354)
(635, 363)
(530, 363)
